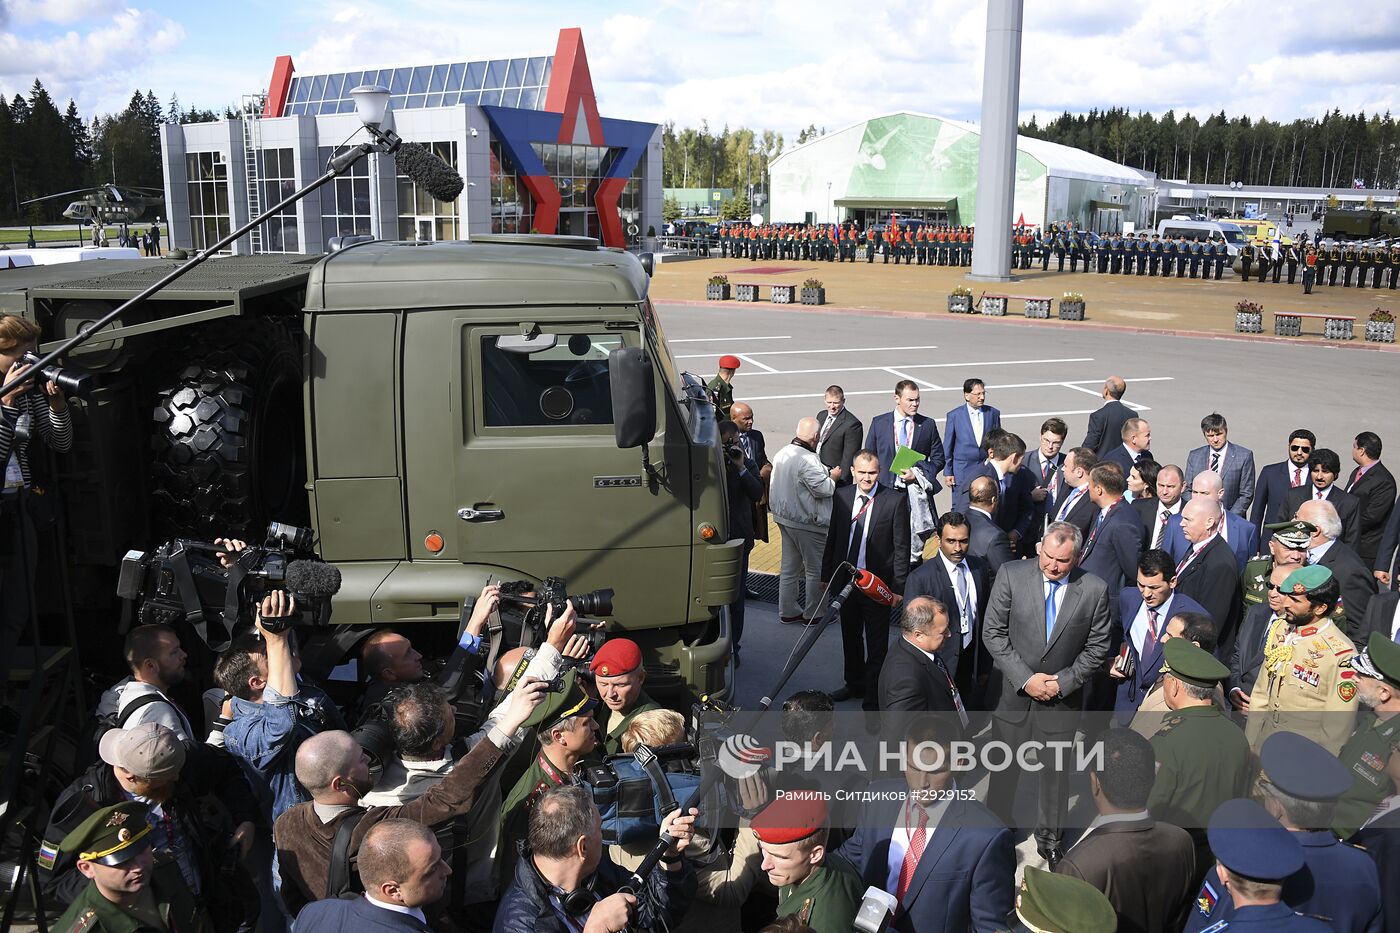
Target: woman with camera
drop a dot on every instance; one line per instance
(35, 410)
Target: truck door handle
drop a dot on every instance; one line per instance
(481, 515)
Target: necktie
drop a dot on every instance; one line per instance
(1069, 504)
(904, 432)
(1044, 470)
(1161, 529)
(1215, 461)
(826, 429)
(1185, 560)
(1319, 494)
(1152, 623)
(744, 440)
(917, 840)
(853, 552)
(962, 599)
(1297, 478)
(1050, 609)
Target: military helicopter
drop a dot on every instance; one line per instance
(106, 204)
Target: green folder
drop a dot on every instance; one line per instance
(904, 459)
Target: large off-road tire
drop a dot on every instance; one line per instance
(228, 443)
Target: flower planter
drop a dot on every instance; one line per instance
(746, 293)
(1071, 310)
(1038, 307)
(1247, 322)
(994, 307)
(782, 294)
(717, 292)
(1380, 331)
(814, 296)
(959, 304)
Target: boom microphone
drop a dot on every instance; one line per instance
(436, 176)
(313, 579)
(874, 588)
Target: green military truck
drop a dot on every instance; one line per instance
(440, 414)
(1360, 225)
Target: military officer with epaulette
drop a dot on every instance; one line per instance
(1132, 254)
(1348, 265)
(817, 886)
(1183, 250)
(128, 890)
(1043, 246)
(1367, 752)
(1306, 683)
(1196, 251)
(1154, 255)
(1363, 265)
(1254, 855)
(1143, 254)
(1311, 269)
(1265, 255)
(1048, 902)
(721, 388)
(1288, 545)
(1290, 259)
(1394, 264)
(1246, 260)
(1334, 262)
(872, 245)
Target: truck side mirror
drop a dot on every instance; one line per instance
(633, 396)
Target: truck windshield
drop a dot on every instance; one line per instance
(657, 338)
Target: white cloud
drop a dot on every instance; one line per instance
(55, 11)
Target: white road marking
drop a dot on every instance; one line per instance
(725, 339)
(753, 362)
(804, 352)
(1017, 385)
(1077, 388)
(918, 366)
(922, 383)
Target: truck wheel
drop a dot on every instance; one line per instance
(229, 450)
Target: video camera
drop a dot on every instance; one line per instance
(184, 580)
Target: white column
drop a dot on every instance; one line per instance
(996, 168)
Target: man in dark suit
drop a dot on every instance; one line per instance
(1015, 507)
(1325, 466)
(869, 530)
(1047, 630)
(1237, 531)
(1381, 616)
(1115, 539)
(905, 427)
(965, 433)
(1137, 439)
(1146, 869)
(838, 436)
(914, 678)
(1231, 462)
(1387, 558)
(1156, 511)
(1074, 504)
(401, 867)
(1353, 576)
(950, 862)
(1374, 487)
(1044, 466)
(989, 542)
(1277, 478)
(961, 582)
(751, 440)
(1143, 612)
(745, 488)
(1106, 424)
(1208, 572)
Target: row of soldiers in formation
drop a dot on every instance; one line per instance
(1115, 254)
(928, 245)
(1322, 263)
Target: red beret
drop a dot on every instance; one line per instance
(728, 362)
(790, 819)
(618, 656)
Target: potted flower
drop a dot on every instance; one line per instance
(1249, 317)
(960, 300)
(1380, 326)
(1072, 306)
(813, 292)
(717, 289)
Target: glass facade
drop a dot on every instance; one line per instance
(207, 185)
(277, 176)
(345, 202)
(512, 208)
(513, 82)
(576, 171)
(421, 217)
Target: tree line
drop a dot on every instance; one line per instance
(43, 151)
(1335, 151)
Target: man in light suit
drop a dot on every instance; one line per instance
(965, 439)
(1353, 576)
(914, 678)
(869, 530)
(1233, 463)
(1015, 507)
(1144, 611)
(1047, 630)
(1277, 478)
(401, 867)
(1044, 466)
(1074, 504)
(1106, 424)
(1238, 532)
(1208, 572)
(838, 436)
(1137, 439)
(988, 542)
(964, 877)
(1374, 487)
(961, 582)
(1325, 466)
(1156, 511)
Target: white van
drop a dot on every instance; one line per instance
(1204, 230)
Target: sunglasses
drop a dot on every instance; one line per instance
(1298, 448)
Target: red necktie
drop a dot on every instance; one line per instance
(1151, 623)
(917, 841)
(1297, 478)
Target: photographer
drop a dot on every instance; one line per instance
(34, 410)
(157, 664)
(334, 769)
(745, 487)
(565, 884)
(618, 674)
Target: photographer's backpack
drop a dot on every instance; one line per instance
(341, 876)
(635, 791)
(116, 719)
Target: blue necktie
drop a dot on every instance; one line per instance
(1050, 607)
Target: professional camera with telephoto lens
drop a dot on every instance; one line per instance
(185, 580)
(72, 383)
(553, 592)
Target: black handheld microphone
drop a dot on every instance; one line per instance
(438, 178)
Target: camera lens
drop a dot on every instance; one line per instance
(596, 603)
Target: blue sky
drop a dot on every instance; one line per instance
(778, 64)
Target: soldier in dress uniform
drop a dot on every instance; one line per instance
(1290, 259)
(1287, 545)
(1310, 269)
(1334, 262)
(1367, 752)
(1246, 260)
(1306, 683)
(721, 387)
(1394, 264)
(817, 886)
(1363, 265)
(1154, 255)
(1043, 242)
(1377, 264)
(1144, 250)
(1115, 255)
(873, 239)
(1254, 854)
(128, 890)
(1348, 265)
(1197, 251)
(1052, 903)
